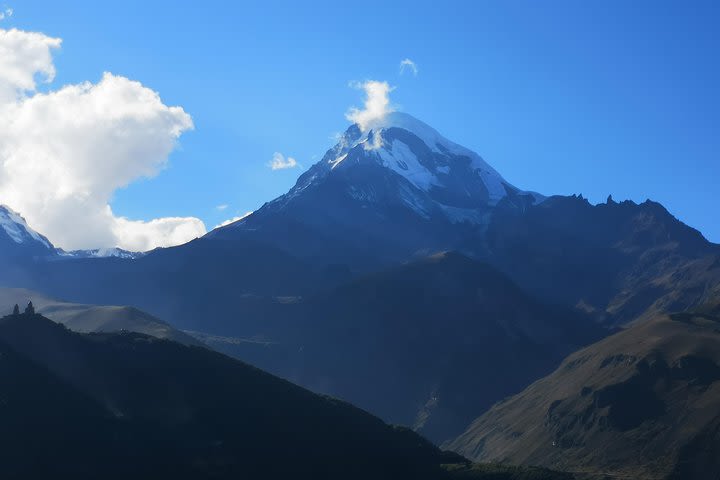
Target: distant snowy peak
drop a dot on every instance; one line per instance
(102, 253)
(17, 229)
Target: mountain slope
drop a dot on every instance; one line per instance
(418, 344)
(95, 318)
(134, 406)
(616, 261)
(226, 417)
(644, 403)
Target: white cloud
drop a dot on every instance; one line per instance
(279, 162)
(7, 13)
(377, 104)
(64, 153)
(233, 220)
(374, 143)
(23, 57)
(222, 207)
(408, 64)
(141, 236)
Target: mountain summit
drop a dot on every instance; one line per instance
(429, 173)
(452, 176)
(397, 178)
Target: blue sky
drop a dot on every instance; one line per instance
(597, 98)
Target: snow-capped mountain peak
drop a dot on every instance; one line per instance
(420, 154)
(15, 226)
(391, 167)
(456, 176)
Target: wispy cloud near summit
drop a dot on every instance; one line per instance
(279, 162)
(377, 104)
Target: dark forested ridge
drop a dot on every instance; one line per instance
(128, 405)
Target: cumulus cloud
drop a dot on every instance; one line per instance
(408, 64)
(24, 56)
(7, 13)
(64, 153)
(233, 220)
(279, 162)
(141, 236)
(377, 104)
